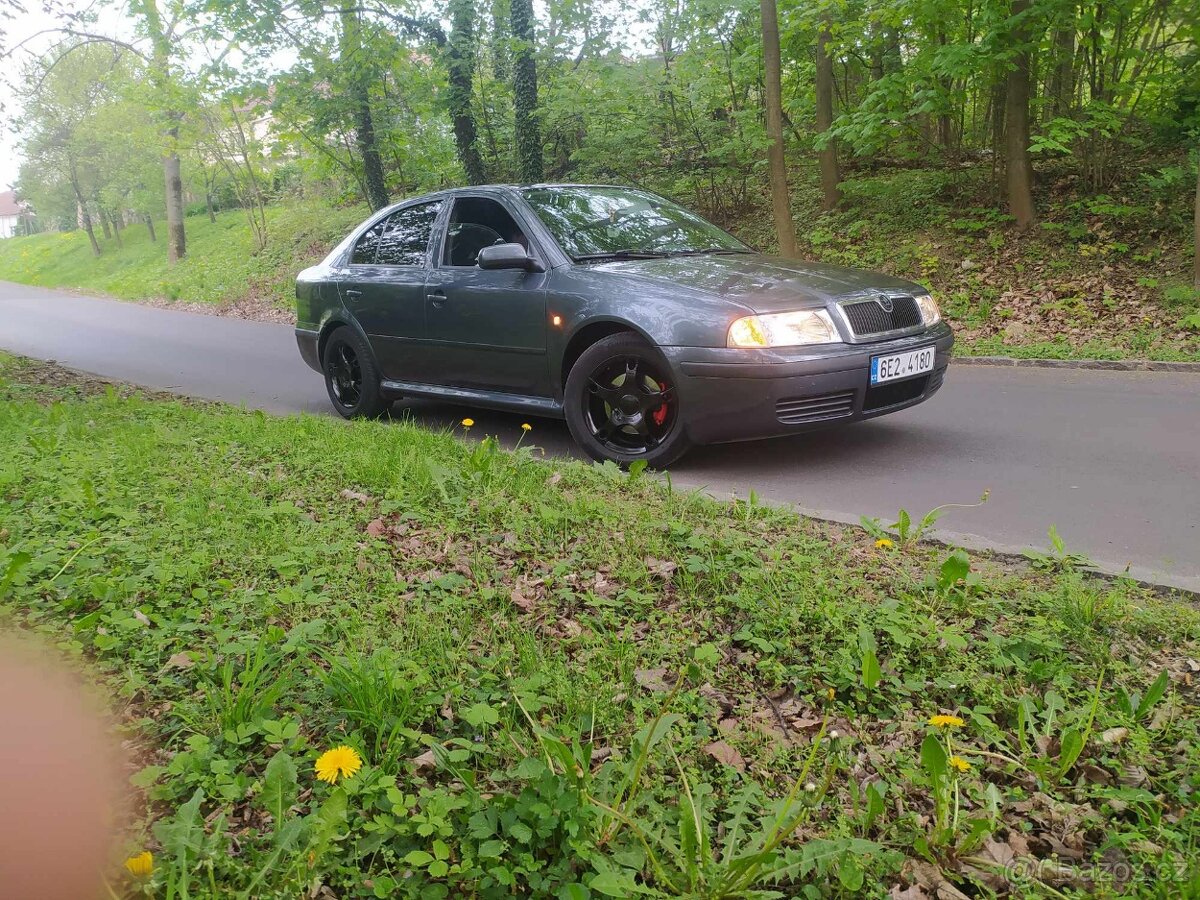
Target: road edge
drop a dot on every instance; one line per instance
(1111, 365)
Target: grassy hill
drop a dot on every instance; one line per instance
(221, 267)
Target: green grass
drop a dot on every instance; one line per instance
(221, 265)
(497, 634)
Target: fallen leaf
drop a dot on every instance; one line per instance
(1114, 735)
(554, 479)
(355, 495)
(929, 876)
(425, 761)
(520, 600)
(723, 752)
(141, 617)
(661, 568)
(181, 660)
(652, 679)
(376, 528)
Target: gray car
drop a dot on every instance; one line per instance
(646, 327)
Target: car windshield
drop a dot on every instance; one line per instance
(608, 223)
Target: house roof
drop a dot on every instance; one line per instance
(9, 205)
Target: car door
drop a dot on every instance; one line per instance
(384, 287)
(486, 328)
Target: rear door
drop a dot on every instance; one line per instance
(487, 328)
(384, 287)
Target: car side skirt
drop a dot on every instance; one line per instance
(534, 406)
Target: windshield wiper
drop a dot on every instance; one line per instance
(713, 251)
(623, 254)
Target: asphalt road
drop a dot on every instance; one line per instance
(1112, 459)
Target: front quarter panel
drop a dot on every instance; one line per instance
(667, 315)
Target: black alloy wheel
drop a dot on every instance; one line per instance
(351, 376)
(622, 403)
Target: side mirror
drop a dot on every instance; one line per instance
(508, 256)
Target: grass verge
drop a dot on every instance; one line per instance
(567, 681)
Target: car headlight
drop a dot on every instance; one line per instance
(790, 329)
(930, 314)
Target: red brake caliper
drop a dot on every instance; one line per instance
(660, 415)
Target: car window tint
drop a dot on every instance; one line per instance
(365, 247)
(406, 238)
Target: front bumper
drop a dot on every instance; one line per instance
(733, 395)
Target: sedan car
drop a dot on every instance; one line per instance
(646, 327)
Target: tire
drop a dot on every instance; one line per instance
(351, 376)
(622, 404)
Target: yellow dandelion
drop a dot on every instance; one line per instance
(525, 426)
(884, 544)
(957, 762)
(940, 721)
(140, 866)
(339, 762)
(467, 423)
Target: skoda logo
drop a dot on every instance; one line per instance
(885, 303)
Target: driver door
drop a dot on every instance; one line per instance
(486, 328)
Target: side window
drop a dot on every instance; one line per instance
(364, 249)
(475, 223)
(406, 238)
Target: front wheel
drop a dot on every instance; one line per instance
(351, 377)
(621, 403)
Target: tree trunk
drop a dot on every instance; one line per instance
(785, 230)
(360, 101)
(176, 237)
(85, 217)
(150, 228)
(208, 203)
(525, 94)
(104, 223)
(1062, 79)
(1019, 170)
(831, 194)
(116, 228)
(460, 67)
(1196, 226)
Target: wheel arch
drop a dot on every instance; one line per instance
(331, 324)
(588, 334)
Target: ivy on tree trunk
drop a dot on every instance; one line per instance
(525, 94)
(460, 67)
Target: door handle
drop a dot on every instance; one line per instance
(437, 298)
(352, 293)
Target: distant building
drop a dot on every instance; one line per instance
(12, 214)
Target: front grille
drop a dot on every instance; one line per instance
(897, 392)
(867, 317)
(815, 409)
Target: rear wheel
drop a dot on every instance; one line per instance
(621, 403)
(351, 377)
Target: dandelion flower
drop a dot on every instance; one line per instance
(339, 762)
(884, 544)
(940, 721)
(957, 762)
(525, 426)
(467, 423)
(140, 866)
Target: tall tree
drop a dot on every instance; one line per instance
(1018, 168)
(785, 230)
(528, 132)
(460, 69)
(831, 192)
(359, 91)
(1196, 229)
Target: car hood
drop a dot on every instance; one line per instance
(762, 283)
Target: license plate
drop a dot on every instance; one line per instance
(898, 366)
